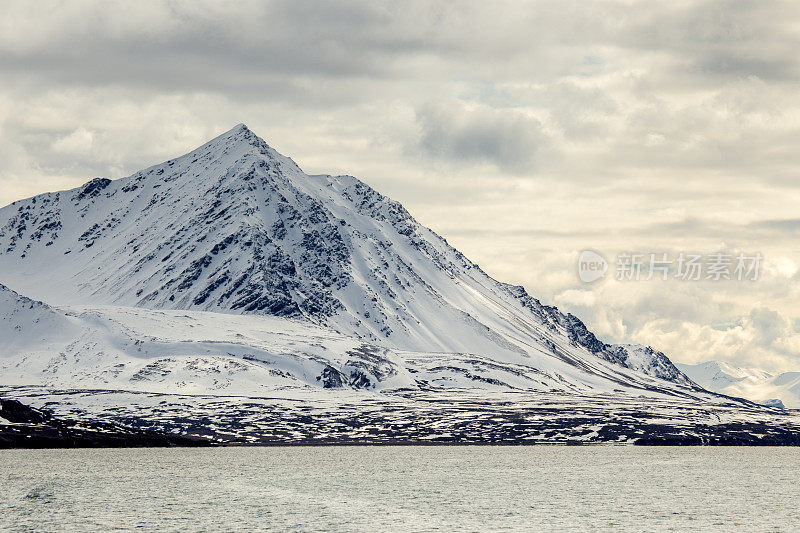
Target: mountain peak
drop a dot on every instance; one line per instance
(240, 131)
(236, 143)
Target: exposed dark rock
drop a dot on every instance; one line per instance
(332, 378)
(34, 428)
(92, 189)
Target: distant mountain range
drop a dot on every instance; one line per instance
(751, 383)
(229, 272)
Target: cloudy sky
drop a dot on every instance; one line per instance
(522, 132)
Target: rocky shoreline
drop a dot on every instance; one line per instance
(22, 426)
(432, 418)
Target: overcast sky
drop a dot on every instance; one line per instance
(522, 132)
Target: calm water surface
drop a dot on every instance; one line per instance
(402, 489)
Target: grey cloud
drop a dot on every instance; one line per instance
(205, 42)
(719, 39)
(789, 225)
(506, 138)
(769, 325)
(250, 49)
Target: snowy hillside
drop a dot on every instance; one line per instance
(751, 383)
(200, 352)
(234, 228)
(191, 352)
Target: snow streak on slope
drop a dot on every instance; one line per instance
(235, 227)
(751, 383)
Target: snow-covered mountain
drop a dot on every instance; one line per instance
(751, 383)
(228, 294)
(235, 228)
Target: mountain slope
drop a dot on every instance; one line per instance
(235, 227)
(200, 352)
(30, 327)
(188, 351)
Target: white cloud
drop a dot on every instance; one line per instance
(77, 143)
(763, 338)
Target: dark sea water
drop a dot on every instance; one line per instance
(481, 488)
